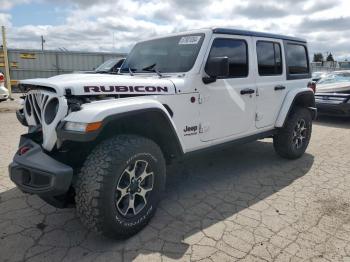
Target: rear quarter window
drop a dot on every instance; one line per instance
(297, 60)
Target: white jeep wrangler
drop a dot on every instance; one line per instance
(102, 142)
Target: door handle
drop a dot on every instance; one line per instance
(247, 91)
(279, 87)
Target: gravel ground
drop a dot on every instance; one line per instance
(245, 203)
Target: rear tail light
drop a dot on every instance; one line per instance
(2, 78)
(312, 85)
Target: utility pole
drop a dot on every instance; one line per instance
(42, 43)
(6, 61)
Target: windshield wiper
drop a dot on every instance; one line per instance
(129, 69)
(152, 68)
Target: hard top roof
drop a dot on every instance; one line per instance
(231, 31)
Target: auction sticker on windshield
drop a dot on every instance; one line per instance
(190, 40)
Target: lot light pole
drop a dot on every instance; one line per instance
(6, 62)
(42, 43)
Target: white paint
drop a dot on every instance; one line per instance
(220, 112)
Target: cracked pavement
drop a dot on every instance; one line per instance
(244, 203)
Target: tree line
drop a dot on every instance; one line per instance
(318, 57)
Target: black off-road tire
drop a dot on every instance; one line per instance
(283, 141)
(97, 182)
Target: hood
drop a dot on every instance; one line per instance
(333, 87)
(104, 84)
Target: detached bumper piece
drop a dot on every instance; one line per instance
(33, 171)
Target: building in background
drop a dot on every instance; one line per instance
(330, 66)
(26, 63)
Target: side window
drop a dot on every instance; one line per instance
(237, 53)
(297, 59)
(269, 58)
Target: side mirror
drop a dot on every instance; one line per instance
(216, 67)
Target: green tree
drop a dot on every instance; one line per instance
(318, 57)
(330, 57)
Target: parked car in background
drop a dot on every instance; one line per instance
(107, 67)
(4, 93)
(316, 76)
(333, 94)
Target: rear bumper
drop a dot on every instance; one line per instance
(342, 109)
(38, 173)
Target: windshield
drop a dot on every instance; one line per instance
(174, 54)
(335, 78)
(106, 66)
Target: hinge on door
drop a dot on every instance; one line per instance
(203, 128)
(258, 116)
(200, 99)
(257, 92)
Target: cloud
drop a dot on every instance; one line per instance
(115, 25)
(5, 19)
(257, 11)
(8, 4)
(325, 25)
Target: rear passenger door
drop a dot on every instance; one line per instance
(270, 80)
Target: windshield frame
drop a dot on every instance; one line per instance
(105, 63)
(124, 69)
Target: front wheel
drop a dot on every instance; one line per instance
(120, 185)
(292, 140)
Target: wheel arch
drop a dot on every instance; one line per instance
(304, 98)
(153, 123)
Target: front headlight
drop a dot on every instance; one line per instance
(75, 126)
(82, 127)
(51, 110)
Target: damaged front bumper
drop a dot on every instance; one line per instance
(34, 171)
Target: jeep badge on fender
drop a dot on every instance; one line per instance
(104, 140)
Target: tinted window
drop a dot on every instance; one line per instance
(269, 58)
(236, 51)
(297, 59)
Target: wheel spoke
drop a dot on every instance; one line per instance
(143, 193)
(144, 175)
(131, 173)
(123, 191)
(131, 205)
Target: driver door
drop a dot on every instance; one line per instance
(227, 106)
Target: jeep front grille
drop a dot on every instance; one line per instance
(34, 106)
(46, 109)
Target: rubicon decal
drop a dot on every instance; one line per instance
(126, 89)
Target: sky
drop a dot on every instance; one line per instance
(113, 25)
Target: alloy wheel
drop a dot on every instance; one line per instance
(299, 134)
(134, 188)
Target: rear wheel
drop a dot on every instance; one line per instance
(292, 140)
(120, 185)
